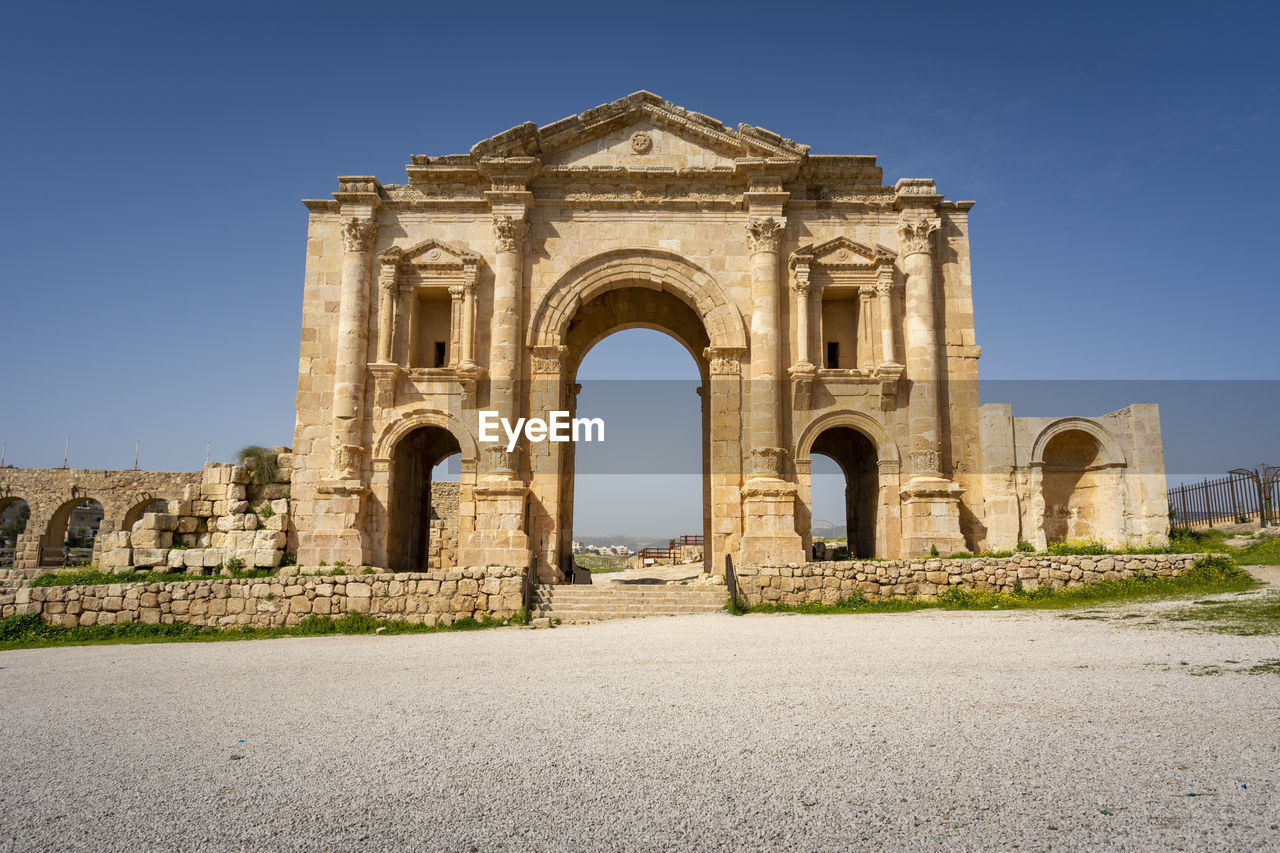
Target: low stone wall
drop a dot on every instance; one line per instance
(828, 582)
(426, 597)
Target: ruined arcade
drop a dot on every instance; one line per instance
(828, 312)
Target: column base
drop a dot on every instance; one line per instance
(769, 520)
(333, 533)
(499, 538)
(931, 517)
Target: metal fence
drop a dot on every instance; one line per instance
(1228, 500)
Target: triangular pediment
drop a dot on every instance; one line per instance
(638, 131)
(842, 252)
(432, 254)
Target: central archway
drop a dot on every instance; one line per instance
(628, 289)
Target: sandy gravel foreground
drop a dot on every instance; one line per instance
(927, 730)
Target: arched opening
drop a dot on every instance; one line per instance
(635, 356)
(853, 456)
(1073, 486)
(146, 506)
(69, 538)
(14, 514)
(413, 502)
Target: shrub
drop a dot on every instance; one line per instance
(235, 564)
(1025, 547)
(260, 462)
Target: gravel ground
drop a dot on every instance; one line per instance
(920, 731)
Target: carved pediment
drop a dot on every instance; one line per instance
(432, 255)
(842, 253)
(639, 131)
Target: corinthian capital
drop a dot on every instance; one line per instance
(917, 234)
(509, 233)
(764, 235)
(357, 234)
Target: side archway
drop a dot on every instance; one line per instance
(868, 458)
(421, 521)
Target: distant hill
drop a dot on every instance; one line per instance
(635, 543)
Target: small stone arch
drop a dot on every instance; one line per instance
(136, 506)
(406, 422)
(886, 447)
(1111, 454)
(656, 268)
(1078, 487)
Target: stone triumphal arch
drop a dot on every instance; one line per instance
(828, 313)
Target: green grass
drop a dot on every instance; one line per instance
(1248, 617)
(1209, 575)
(91, 576)
(600, 563)
(29, 631)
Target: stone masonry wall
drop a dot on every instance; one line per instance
(831, 581)
(421, 597)
(222, 518)
(442, 547)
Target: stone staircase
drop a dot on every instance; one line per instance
(586, 603)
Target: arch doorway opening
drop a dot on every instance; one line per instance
(636, 361)
(846, 492)
(71, 532)
(422, 517)
(14, 514)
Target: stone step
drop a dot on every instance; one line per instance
(597, 615)
(612, 593)
(580, 603)
(638, 607)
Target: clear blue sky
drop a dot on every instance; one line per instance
(1123, 157)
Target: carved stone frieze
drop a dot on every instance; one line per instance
(764, 234)
(358, 234)
(923, 462)
(725, 361)
(917, 234)
(509, 234)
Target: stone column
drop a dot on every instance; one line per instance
(884, 291)
(353, 342)
(769, 501)
(922, 346)
(764, 236)
(931, 502)
(866, 330)
(500, 536)
(387, 285)
(457, 294)
(505, 347)
(804, 370)
(803, 291)
(469, 318)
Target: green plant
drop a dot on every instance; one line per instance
(260, 462)
(367, 570)
(961, 555)
(1242, 519)
(265, 511)
(289, 559)
(1025, 547)
(933, 550)
(235, 564)
(339, 563)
